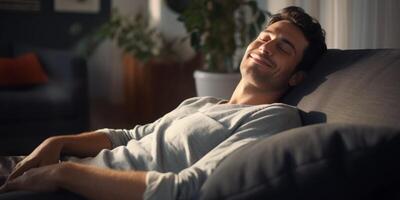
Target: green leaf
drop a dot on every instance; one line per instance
(195, 40)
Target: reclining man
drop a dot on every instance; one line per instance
(172, 157)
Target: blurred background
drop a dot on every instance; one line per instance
(113, 97)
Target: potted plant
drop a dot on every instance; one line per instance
(220, 30)
(155, 80)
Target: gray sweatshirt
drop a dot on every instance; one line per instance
(181, 149)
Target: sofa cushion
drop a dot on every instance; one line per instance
(324, 161)
(22, 71)
(355, 86)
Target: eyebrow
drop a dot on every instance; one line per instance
(284, 40)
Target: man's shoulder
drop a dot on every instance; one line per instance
(283, 106)
(279, 110)
(277, 107)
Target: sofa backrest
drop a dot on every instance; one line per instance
(351, 86)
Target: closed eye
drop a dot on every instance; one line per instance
(284, 48)
(264, 36)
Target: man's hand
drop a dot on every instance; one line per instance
(40, 179)
(47, 153)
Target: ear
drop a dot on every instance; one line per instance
(297, 78)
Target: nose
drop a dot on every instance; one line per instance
(266, 48)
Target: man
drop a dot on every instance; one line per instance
(172, 157)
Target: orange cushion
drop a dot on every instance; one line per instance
(22, 70)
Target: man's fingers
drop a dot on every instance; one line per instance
(17, 172)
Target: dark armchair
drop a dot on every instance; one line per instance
(30, 114)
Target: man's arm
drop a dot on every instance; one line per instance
(97, 183)
(88, 181)
(82, 145)
(48, 152)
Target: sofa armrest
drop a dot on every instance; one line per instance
(324, 161)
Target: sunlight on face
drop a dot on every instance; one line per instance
(270, 60)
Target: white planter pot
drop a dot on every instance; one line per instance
(219, 85)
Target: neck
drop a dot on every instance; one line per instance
(250, 95)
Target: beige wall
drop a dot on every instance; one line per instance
(165, 21)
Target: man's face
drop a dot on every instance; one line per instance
(270, 60)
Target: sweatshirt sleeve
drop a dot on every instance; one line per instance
(186, 183)
(119, 137)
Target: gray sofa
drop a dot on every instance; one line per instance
(348, 149)
(29, 114)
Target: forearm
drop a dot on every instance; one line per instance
(97, 183)
(82, 145)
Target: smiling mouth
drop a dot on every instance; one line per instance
(261, 60)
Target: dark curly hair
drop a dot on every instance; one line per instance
(312, 31)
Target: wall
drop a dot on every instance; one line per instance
(165, 20)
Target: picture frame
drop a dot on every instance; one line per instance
(77, 6)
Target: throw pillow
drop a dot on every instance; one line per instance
(22, 71)
(325, 161)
